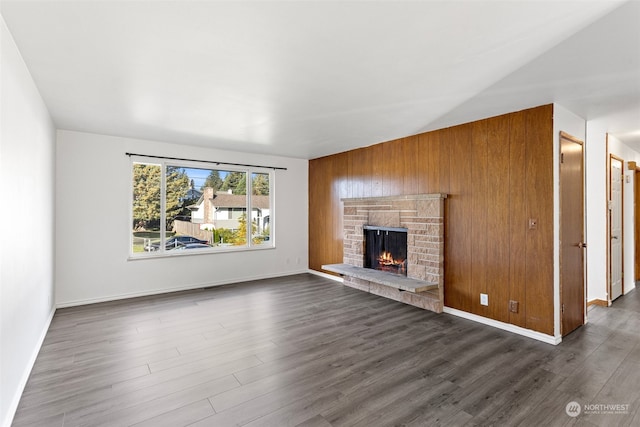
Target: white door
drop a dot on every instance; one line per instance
(615, 231)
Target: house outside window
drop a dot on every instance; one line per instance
(181, 208)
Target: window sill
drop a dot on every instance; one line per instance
(196, 252)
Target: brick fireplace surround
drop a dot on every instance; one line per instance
(423, 217)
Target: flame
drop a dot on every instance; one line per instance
(387, 259)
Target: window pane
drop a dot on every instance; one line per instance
(229, 204)
(260, 209)
(177, 184)
(146, 207)
(212, 208)
(200, 208)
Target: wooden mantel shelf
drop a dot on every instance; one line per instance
(402, 283)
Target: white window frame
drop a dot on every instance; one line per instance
(163, 163)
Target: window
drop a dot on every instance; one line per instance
(185, 208)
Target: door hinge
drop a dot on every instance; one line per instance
(563, 308)
(561, 157)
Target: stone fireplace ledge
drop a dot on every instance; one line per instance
(381, 277)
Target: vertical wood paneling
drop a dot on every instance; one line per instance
(539, 243)
(430, 153)
(365, 168)
(316, 241)
(341, 190)
(412, 166)
(356, 174)
(443, 165)
(377, 169)
(333, 245)
(320, 200)
(393, 168)
(517, 217)
(458, 249)
(344, 176)
(479, 207)
(498, 173)
(498, 244)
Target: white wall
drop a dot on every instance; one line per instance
(93, 186)
(628, 155)
(27, 145)
(563, 121)
(596, 194)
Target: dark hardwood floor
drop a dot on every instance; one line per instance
(304, 350)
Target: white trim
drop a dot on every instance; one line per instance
(204, 251)
(174, 289)
(272, 207)
(163, 208)
(631, 288)
(13, 406)
(326, 276)
(549, 339)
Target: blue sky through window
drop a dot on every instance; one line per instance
(199, 176)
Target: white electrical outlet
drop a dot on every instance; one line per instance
(484, 299)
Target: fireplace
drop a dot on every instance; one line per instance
(385, 249)
(413, 273)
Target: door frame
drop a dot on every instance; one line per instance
(564, 135)
(622, 162)
(633, 166)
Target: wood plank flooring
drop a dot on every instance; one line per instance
(305, 351)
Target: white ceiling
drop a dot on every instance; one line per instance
(311, 78)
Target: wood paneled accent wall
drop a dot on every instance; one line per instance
(498, 174)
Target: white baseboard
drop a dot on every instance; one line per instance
(13, 406)
(326, 276)
(549, 339)
(174, 289)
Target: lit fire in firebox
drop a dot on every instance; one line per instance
(385, 250)
(387, 260)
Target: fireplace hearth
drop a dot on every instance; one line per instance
(413, 274)
(385, 249)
